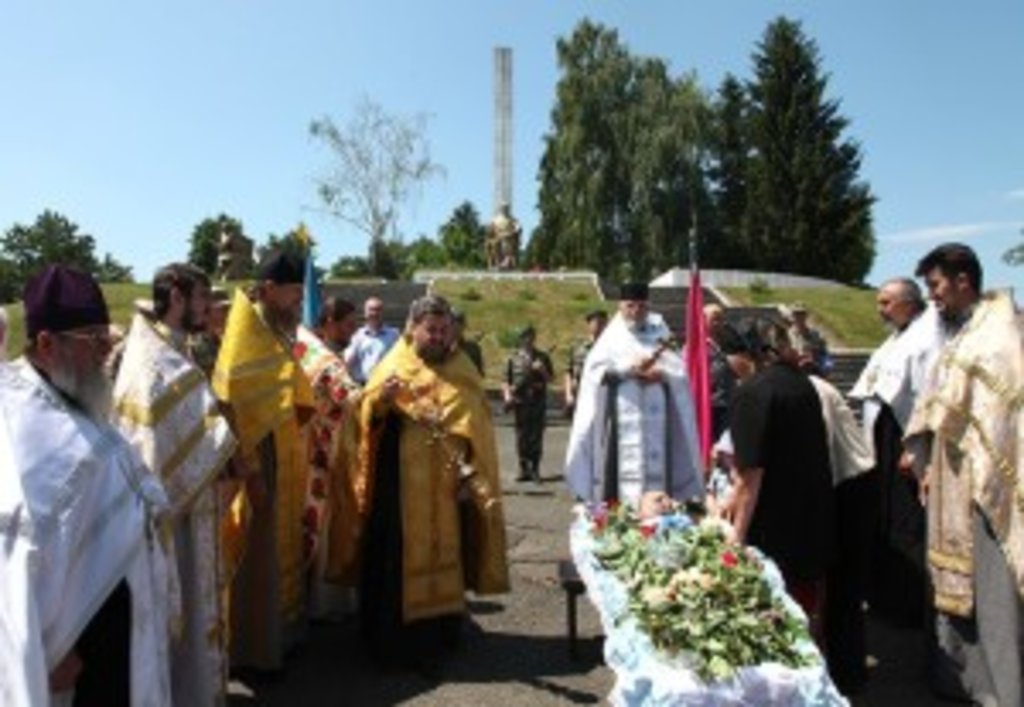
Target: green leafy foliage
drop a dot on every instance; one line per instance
(696, 593)
(349, 267)
(53, 238)
(205, 240)
(620, 175)
(462, 237)
(636, 160)
(807, 210)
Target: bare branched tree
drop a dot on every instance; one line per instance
(381, 160)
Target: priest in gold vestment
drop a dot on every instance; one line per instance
(967, 441)
(269, 400)
(428, 495)
(165, 409)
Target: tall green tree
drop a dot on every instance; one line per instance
(462, 237)
(205, 240)
(622, 176)
(729, 155)
(53, 238)
(584, 192)
(808, 211)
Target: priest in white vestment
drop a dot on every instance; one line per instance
(82, 571)
(634, 430)
(164, 406)
(888, 386)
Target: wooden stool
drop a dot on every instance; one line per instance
(573, 586)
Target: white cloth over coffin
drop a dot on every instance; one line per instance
(898, 370)
(75, 520)
(657, 431)
(645, 676)
(165, 408)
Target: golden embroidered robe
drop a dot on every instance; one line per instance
(166, 410)
(446, 436)
(971, 410)
(270, 400)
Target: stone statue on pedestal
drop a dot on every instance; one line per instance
(234, 256)
(502, 243)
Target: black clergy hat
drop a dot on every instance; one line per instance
(60, 298)
(282, 268)
(634, 291)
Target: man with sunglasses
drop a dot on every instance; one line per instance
(82, 570)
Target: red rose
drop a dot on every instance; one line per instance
(299, 349)
(600, 522)
(648, 530)
(729, 559)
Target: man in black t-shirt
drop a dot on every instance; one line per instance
(784, 499)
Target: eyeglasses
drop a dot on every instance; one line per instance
(95, 337)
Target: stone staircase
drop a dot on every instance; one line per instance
(847, 365)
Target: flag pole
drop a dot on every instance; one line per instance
(697, 367)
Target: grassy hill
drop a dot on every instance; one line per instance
(497, 310)
(846, 316)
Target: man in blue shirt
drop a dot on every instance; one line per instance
(370, 343)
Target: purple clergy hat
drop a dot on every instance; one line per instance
(60, 298)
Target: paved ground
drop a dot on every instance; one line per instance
(514, 649)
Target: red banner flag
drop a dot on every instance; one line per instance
(697, 362)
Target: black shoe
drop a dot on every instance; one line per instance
(430, 668)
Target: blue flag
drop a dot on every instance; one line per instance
(310, 294)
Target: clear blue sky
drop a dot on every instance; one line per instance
(138, 119)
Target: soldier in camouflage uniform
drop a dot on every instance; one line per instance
(527, 374)
(596, 321)
(469, 346)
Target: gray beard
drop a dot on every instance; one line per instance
(93, 393)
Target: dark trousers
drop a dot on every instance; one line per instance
(845, 639)
(105, 651)
(389, 638)
(531, 418)
(898, 576)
